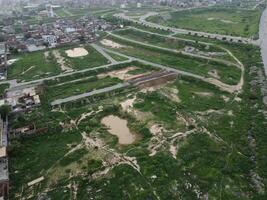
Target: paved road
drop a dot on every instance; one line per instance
(108, 57)
(63, 75)
(88, 94)
(223, 86)
(263, 38)
(143, 21)
(173, 50)
(219, 84)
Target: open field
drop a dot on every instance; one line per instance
(78, 87)
(214, 20)
(92, 80)
(52, 62)
(187, 139)
(33, 66)
(205, 150)
(228, 74)
(174, 43)
(93, 59)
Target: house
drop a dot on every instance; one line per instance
(23, 99)
(50, 39)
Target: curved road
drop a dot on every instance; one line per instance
(143, 21)
(219, 84)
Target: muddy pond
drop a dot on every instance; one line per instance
(117, 126)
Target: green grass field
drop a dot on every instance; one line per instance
(199, 149)
(3, 87)
(214, 20)
(93, 59)
(228, 74)
(79, 87)
(173, 43)
(33, 66)
(42, 64)
(208, 164)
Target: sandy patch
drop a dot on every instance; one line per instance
(214, 74)
(171, 94)
(12, 61)
(76, 52)
(204, 94)
(121, 74)
(111, 44)
(228, 21)
(173, 151)
(211, 18)
(230, 113)
(30, 68)
(210, 111)
(222, 20)
(61, 61)
(46, 55)
(225, 98)
(237, 99)
(156, 129)
(127, 105)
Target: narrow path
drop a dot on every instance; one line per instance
(108, 57)
(88, 94)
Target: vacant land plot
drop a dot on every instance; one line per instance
(33, 66)
(85, 158)
(228, 74)
(192, 140)
(175, 43)
(215, 20)
(78, 87)
(89, 59)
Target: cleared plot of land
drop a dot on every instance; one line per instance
(228, 74)
(215, 20)
(88, 59)
(34, 66)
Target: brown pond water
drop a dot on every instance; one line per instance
(118, 127)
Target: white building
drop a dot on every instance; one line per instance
(50, 39)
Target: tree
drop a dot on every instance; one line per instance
(4, 111)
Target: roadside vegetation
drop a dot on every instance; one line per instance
(33, 66)
(214, 20)
(227, 73)
(191, 140)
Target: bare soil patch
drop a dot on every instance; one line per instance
(76, 52)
